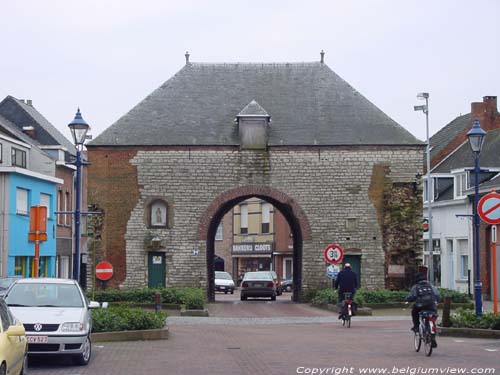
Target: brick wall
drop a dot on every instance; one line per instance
(325, 186)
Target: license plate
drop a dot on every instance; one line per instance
(37, 339)
(258, 285)
(223, 287)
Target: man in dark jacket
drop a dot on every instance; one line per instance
(421, 283)
(346, 282)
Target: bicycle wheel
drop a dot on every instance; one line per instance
(417, 341)
(427, 342)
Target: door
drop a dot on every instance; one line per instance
(156, 269)
(287, 268)
(355, 261)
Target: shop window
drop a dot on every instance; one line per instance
(24, 266)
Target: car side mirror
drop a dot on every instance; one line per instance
(94, 305)
(16, 331)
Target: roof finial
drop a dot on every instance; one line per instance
(322, 53)
(187, 57)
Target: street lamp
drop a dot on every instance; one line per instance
(79, 129)
(425, 108)
(476, 139)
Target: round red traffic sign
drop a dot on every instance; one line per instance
(104, 271)
(488, 208)
(334, 254)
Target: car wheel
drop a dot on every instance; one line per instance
(273, 298)
(225, 292)
(232, 291)
(3, 369)
(288, 288)
(243, 298)
(83, 358)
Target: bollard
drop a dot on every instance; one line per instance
(446, 322)
(157, 301)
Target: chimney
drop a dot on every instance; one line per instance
(487, 113)
(29, 130)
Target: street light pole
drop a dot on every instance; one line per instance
(79, 129)
(476, 138)
(425, 109)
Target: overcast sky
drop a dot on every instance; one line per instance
(105, 56)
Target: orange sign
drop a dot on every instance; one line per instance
(38, 219)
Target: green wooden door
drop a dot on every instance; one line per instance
(156, 270)
(355, 261)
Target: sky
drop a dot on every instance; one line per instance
(105, 56)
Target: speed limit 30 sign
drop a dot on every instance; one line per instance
(334, 254)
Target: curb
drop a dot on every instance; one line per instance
(143, 335)
(362, 311)
(185, 312)
(470, 332)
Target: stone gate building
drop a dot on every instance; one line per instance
(293, 134)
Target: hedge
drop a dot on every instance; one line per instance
(126, 319)
(192, 298)
(467, 319)
(363, 296)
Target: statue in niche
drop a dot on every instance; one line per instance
(159, 214)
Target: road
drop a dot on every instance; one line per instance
(263, 337)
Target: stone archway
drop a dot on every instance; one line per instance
(292, 212)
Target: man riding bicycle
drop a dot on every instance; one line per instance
(346, 282)
(425, 297)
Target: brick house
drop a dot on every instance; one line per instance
(293, 134)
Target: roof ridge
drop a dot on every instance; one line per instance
(277, 64)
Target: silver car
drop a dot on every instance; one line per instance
(258, 284)
(56, 316)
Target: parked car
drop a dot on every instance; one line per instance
(277, 282)
(287, 285)
(5, 282)
(13, 358)
(258, 284)
(56, 316)
(224, 282)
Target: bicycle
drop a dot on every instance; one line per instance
(426, 332)
(346, 310)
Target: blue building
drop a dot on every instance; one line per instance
(27, 178)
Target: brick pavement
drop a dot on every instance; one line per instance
(267, 345)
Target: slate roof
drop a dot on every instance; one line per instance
(46, 133)
(463, 157)
(444, 136)
(253, 109)
(308, 103)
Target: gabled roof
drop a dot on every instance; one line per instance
(309, 105)
(444, 136)
(22, 114)
(464, 158)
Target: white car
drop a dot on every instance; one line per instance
(224, 282)
(56, 316)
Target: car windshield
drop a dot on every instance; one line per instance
(6, 281)
(44, 295)
(223, 275)
(258, 276)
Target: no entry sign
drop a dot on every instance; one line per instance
(334, 254)
(488, 208)
(104, 271)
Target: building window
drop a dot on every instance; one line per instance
(18, 158)
(266, 217)
(243, 219)
(426, 198)
(67, 207)
(24, 266)
(461, 185)
(464, 259)
(45, 201)
(63, 267)
(60, 205)
(22, 201)
(1, 153)
(218, 234)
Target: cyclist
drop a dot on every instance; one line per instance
(425, 297)
(346, 282)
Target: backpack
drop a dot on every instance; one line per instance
(425, 296)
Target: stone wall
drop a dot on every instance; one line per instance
(328, 184)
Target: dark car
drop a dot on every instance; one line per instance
(5, 282)
(287, 285)
(258, 284)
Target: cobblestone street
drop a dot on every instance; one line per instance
(260, 337)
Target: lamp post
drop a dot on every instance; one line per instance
(476, 139)
(425, 108)
(79, 129)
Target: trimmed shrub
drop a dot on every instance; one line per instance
(467, 319)
(456, 297)
(126, 319)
